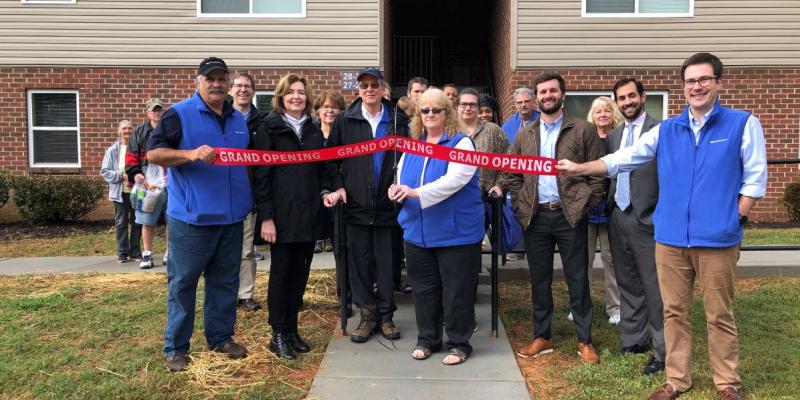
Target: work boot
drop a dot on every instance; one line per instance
(366, 327)
(389, 331)
(177, 363)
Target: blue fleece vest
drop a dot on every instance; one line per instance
(456, 221)
(699, 184)
(203, 194)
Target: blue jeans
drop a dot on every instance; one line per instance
(215, 252)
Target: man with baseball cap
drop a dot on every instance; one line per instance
(136, 165)
(205, 213)
(362, 184)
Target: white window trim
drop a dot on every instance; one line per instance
(49, 1)
(250, 14)
(77, 128)
(664, 93)
(635, 13)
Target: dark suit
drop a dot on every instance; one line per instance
(633, 251)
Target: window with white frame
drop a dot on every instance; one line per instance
(263, 101)
(252, 8)
(53, 128)
(638, 8)
(577, 104)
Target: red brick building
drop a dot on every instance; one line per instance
(71, 69)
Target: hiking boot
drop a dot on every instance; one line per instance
(588, 353)
(177, 363)
(232, 349)
(147, 260)
(366, 327)
(389, 331)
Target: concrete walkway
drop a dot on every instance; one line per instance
(388, 373)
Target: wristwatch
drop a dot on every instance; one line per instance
(743, 220)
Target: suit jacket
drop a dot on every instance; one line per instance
(644, 180)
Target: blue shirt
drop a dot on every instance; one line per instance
(513, 125)
(548, 133)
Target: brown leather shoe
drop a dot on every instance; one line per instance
(666, 392)
(177, 363)
(588, 354)
(731, 393)
(536, 348)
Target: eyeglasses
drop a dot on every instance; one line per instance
(242, 86)
(468, 105)
(704, 81)
(330, 108)
(435, 111)
(367, 85)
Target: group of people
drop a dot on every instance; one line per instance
(672, 211)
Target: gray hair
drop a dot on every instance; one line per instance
(119, 125)
(523, 90)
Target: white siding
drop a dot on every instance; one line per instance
(335, 33)
(552, 34)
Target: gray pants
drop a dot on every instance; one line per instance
(128, 232)
(247, 269)
(633, 251)
(600, 232)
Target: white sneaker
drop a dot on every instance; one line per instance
(147, 260)
(613, 319)
(569, 316)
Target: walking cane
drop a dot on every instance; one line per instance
(497, 242)
(342, 280)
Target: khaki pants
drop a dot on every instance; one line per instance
(715, 270)
(247, 270)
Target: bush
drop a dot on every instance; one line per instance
(5, 187)
(55, 198)
(791, 198)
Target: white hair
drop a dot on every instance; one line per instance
(522, 90)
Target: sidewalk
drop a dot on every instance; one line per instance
(751, 264)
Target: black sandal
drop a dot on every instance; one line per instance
(426, 352)
(457, 353)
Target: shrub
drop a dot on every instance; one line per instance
(791, 198)
(5, 187)
(55, 198)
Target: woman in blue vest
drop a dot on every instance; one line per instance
(290, 208)
(442, 220)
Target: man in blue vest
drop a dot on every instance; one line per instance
(711, 170)
(205, 212)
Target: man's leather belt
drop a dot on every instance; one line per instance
(550, 206)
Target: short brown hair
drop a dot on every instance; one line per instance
(283, 87)
(549, 77)
(244, 74)
(328, 94)
(703, 58)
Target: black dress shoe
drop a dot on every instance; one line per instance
(635, 349)
(281, 346)
(653, 367)
(298, 345)
(248, 305)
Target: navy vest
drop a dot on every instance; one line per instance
(203, 194)
(699, 183)
(456, 221)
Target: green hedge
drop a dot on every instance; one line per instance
(5, 188)
(42, 198)
(791, 198)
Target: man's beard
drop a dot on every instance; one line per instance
(552, 110)
(637, 111)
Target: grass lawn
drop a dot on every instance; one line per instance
(768, 320)
(100, 336)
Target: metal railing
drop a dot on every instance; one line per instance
(415, 56)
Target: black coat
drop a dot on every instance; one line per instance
(290, 194)
(366, 206)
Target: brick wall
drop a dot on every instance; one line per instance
(106, 96)
(500, 50)
(771, 94)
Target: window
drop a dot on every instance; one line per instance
(252, 8)
(637, 8)
(53, 129)
(577, 104)
(263, 102)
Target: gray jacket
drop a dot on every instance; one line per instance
(111, 173)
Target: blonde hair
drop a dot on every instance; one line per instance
(606, 102)
(407, 106)
(452, 124)
(282, 88)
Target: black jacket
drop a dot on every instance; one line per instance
(290, 194)
(366, 206)
(136, 155)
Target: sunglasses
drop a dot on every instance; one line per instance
(435, 111)
(367, 85)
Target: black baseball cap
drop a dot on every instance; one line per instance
(371, 71)
(211, 64)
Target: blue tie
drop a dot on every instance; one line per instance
(623, 196)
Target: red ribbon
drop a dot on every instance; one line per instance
(503, 162)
